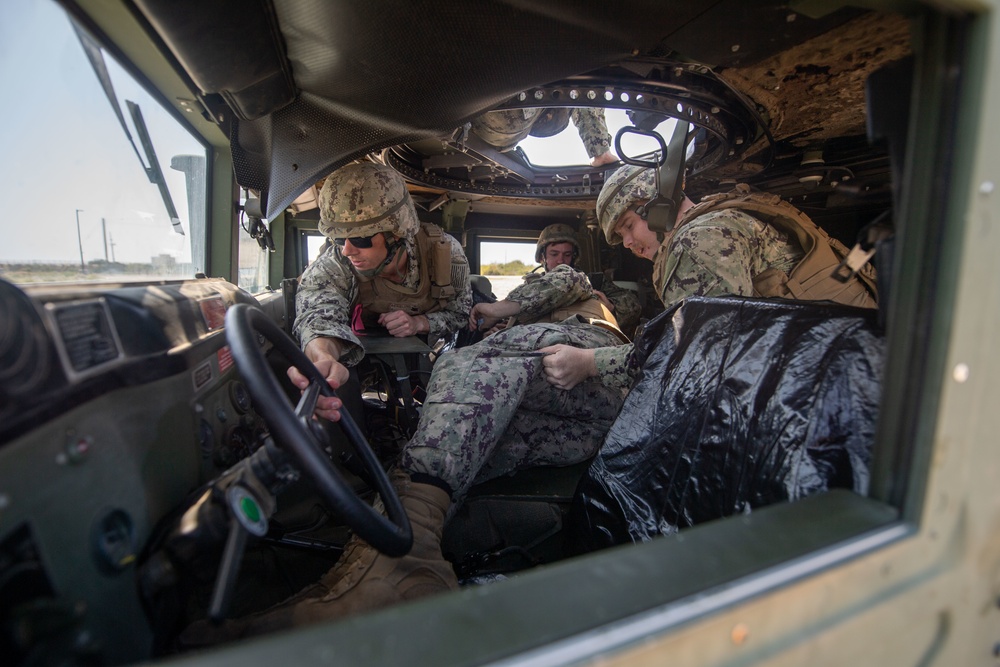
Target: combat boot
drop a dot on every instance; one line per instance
(362, 580)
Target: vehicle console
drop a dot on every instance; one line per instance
(121, 401)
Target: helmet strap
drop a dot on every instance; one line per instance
(393, 249)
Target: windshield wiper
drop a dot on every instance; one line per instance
(153, 172)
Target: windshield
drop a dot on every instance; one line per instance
(83, 202)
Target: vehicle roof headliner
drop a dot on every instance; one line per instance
(305, 86)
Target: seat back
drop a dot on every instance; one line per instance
(740, 403)
(512, 522)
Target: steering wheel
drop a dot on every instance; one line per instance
(392, 536)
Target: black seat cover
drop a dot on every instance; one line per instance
(740, 403)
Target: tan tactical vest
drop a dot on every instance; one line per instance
(812, 278)
(434, 289)
(590, 310)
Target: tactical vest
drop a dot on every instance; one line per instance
(434, 289)
(591, 311)
(812, 278)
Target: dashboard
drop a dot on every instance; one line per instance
(117, 402)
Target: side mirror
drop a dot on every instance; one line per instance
(660, 212)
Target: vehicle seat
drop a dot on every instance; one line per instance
(393, 374)
(482, 292)
(482, 289)
(740, 403)
(512, 522)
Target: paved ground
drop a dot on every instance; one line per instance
(504, 284)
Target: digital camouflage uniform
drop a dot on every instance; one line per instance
(505, 129)
(328, 290)
(716, 254)
(625, 302)
(487, 415)
(719, 253)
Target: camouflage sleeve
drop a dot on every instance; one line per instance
(716, 254)
(323, 305)
(616, 366)
(626, 303)
(455, 314)
(593, 130)
(544, 292)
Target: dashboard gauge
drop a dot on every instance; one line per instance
(240, 396)
(206, 438)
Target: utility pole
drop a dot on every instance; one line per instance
(79, 240)
(104, 234)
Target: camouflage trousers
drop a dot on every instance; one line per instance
(487, 415)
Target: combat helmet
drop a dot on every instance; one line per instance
(626, 187)
(557, 233)
(363, 199)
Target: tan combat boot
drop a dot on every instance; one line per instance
(362, 580)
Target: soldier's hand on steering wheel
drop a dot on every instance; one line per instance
(324, 353)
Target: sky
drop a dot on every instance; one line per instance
(64, 150)
(561, 149)
(566, 147)
(501, 253)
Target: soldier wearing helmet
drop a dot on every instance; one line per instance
(560, 291)
(740, 243)
(557, 245)
(384, 268)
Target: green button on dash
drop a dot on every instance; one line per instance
(250, 509)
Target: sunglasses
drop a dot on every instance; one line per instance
(356, 241)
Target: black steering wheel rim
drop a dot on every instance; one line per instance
(391, 534)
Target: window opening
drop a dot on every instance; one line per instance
(71, 148)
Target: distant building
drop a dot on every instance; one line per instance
(164, 263)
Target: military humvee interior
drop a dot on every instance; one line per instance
(169, 158)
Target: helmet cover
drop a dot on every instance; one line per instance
(363, 199)
(557, 233)
(628, 186)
